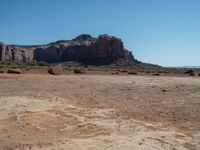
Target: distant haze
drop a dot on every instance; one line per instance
(164, 32)
(195, 67)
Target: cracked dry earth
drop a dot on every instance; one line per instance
(98, 112)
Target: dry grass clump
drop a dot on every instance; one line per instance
(190, 71)
(191, 74)
(114, 72)
(79, 71)
(132, 73)
(15, 71)
(124, 70)
(166, 72)
(147, 71)
(156, 74)
(1, 71)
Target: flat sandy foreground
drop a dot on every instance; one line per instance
(99, 112)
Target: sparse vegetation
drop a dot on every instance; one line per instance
(132, 73)
(71, 66)
(114, 72)
(79, 71)
(42, 63)
(156, 74)
(124, 70)
(191, 74)
(190, 71)
(14, 71)
(148, 72)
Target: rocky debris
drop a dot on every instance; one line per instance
(85, 49)
(1, 71)
(14, 71)
(56, 70)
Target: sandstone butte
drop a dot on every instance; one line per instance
(85, 49)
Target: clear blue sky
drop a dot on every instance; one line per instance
(165, 32)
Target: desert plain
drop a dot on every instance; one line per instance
(99, 112)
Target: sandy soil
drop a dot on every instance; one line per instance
(98, 112)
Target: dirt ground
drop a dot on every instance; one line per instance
(98, 112)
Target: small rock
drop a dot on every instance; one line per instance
(1, 71)
(166, 90)
(56, 70)
(14, 71)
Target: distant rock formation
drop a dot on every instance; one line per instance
(2, 51)
(85, 49)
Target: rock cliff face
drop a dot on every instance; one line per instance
(103, 50)
(2, 51)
